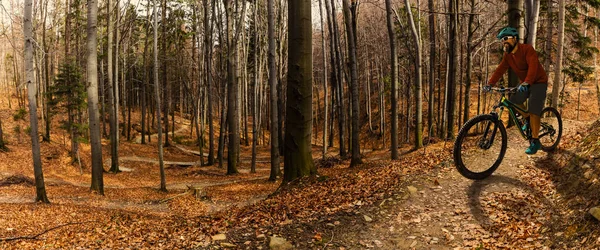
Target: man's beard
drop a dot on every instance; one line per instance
(508, 48)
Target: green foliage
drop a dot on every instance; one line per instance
(20, 114)
(68, 95)
(577, 63)
(17, 129)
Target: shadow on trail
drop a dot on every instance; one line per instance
(499, 183)
(574, 176)
(576, 179)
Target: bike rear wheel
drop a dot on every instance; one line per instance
(550, 129)
(480, 146)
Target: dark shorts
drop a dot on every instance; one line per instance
(537, 97)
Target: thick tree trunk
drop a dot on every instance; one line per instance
(92, 93)
(559, 53)
(351, 39)
(32, 88)
(394, 90)
(298, 160)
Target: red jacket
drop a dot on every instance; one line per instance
(524, 62)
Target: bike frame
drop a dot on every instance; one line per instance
(512, 109)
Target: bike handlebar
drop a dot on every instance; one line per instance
(504, 90)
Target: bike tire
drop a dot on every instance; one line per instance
(558, 131)
(460, 151)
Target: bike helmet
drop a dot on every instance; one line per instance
(508, 31)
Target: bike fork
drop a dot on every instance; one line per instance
(486, 143)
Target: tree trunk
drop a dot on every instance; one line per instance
(324, 78)
(432, 73)
(208, 66)
(32, 88)
(163, 182)
(165, 81)
(114, 134)
(334, 76)
(469, 65)
(351, 39)
(533, 12)
(451, 85)
(515, 9)
(418, 81)
(255, 96)
(2, 142)
(298, 160)
(338, 83)
(394, 90)
(92, 93)
(146, 81)
(559, 53)
(232, 95)
(597, 81)
(46, 98)
(549, 33)
(273, 88)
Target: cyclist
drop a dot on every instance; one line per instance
(523, 60)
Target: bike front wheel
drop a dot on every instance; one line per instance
(480, 146)
(550, 129)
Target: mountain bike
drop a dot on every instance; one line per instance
(482, 141)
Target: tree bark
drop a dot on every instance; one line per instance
(92, 92)
(114, 134)
(165, 80)
(208, 65)
(232, 95)
(323, 48)
(451, 85)
(338, 82)
(31, 89)
(469, 65)
(273, 88)
(432, 73)
(394, 91)
(298, 160)
(163, 182)
(351, 39)
(533, 13)
(418, 81)
(559, 53)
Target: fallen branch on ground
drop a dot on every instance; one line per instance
(35, 236)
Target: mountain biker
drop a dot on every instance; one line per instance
(523, 60)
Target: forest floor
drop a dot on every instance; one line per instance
(417, 202)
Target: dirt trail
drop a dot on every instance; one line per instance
(446, 210)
